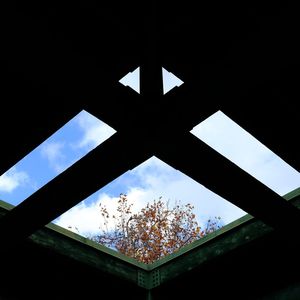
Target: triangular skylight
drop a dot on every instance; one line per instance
(237, 145)
(71, 142)
(132, 79)
(150, 180)
(170, 81)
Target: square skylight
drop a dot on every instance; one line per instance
(151, 180)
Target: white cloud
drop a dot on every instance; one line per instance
(236, 144)
(159, 180)
(12, 179)
(163, 180)
(53, 152)
(85, 219)
(95, 131)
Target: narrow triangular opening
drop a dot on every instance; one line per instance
(132, 79)
(170, 81)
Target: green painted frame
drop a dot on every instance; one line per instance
(231, 236)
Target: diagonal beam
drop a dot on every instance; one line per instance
(208, 167)
(85, 177)
(29, 115)
(276, 127)
(29, 130)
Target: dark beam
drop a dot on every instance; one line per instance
(50, 70)
(85, 177)
(151, 81)
(275, 127)
(203, 164)
(151, 68)
(251, 69)
(83, 250)
(232, 236)
(24, 124)
(212, 246)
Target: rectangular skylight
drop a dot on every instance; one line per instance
(66, 146)
(236, 144)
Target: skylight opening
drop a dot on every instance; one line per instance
(170, 81)
(62, 149)
(151, 180)
(236, 144)
(132, 80)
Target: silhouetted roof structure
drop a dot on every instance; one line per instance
(57, 59)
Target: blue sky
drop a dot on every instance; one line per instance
(149, 180)
(79, 136)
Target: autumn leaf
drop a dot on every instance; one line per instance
(154, 232)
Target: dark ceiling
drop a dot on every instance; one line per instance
(58, 59)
